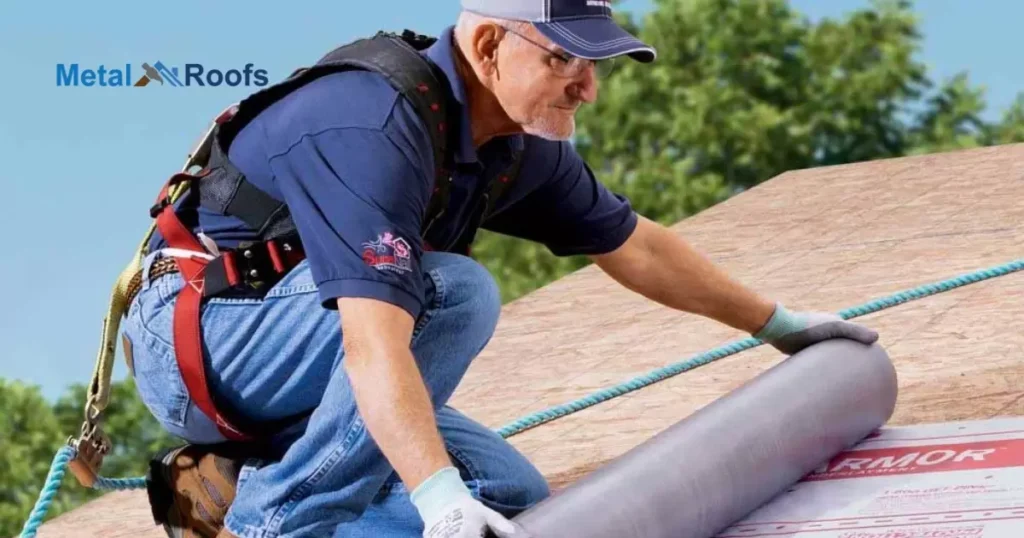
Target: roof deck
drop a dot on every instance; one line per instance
(822, 239)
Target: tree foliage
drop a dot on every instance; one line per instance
(742, 91)
(29, 435)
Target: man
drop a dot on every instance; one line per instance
(372, 331)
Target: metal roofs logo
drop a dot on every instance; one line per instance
(194, 75)
(158, 74)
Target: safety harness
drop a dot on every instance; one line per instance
(209, 179)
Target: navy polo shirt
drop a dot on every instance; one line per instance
(353, 162)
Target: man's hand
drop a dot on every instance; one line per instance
(791, 332)
(449, 511)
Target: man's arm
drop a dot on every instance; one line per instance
(574, 214)
(389, 389)
(394, 403)
(660, 265)
(663, 267)
(357, 179)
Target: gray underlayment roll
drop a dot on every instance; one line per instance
(713, 468)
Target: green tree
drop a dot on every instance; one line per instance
(29, 437)
(1011, 129)
(744, 90)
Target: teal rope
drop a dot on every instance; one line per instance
(119, 484)
(53, 481)
(552, 413)
(65, 454)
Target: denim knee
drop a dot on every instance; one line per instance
(467, 291)
(528, 488)
(535, 487)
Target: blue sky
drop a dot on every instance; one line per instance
(82, 165)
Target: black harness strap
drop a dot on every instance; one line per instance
(225, 189)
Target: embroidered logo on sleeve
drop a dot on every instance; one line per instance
(388, 253)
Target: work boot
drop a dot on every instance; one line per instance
(191, 488)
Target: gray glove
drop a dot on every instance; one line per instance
(791, 332)
(449, 511)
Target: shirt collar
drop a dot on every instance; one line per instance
(442, 53)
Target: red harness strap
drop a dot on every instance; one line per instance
(187, 329)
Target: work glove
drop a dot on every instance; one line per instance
(450, 511)
(791, 332)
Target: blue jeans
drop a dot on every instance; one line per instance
(278, 356)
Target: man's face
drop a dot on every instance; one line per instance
(537, 87)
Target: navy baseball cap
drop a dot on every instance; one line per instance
(584, 28)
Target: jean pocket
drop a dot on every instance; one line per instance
(157, 377)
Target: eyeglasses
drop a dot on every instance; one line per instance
(569, 66)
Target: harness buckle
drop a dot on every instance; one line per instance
(165, 195)
(275, 256)
(158, 207)
(251, 266)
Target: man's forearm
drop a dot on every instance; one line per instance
(657, 263)
(394, 403)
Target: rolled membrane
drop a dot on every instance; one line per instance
(713, 468)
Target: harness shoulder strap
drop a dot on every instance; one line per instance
(398, 59)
